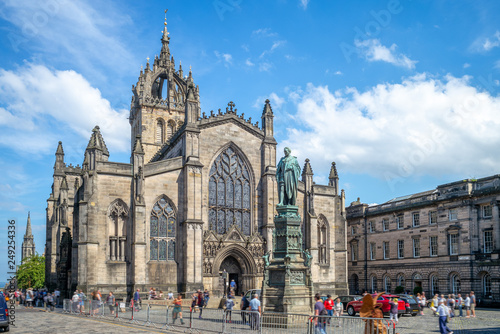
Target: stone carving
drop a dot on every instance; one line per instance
(287, 175)
(266, 258)
(297, 277)
(307, 258)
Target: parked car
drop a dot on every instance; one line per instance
(347, 299)
(354, 306)
(411, 305)
(249, 294)
(4, 313)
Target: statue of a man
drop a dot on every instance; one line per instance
(287, 175)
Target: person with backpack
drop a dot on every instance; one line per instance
(206, 297)
(321, 314)
(82, 298)
(244, 306)
(200, 302)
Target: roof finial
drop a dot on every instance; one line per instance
(166, 10)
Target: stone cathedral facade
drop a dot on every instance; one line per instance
(197, 198)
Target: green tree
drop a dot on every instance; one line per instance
(31, 273)
(417, 289)
(399, 289)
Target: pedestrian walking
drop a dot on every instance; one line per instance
(29, 298)
(206, 297)
(338, 308)
(75, 302)
(245, 303)
(137, 301)
(200, 300)
(229, 307)
(443, 316)
(57, 296)
(256, 312)
(177, 311)
(81, 301)
(329, 303)
(110, 301)
(473, 304)
(467, 305)
(394, 310)
(460, 305)
(320, 315)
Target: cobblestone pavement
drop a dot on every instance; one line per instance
(487, 321)
(39, 321)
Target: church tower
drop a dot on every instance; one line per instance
(28, 246)
(158, 101)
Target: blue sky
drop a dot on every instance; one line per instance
(403, 95)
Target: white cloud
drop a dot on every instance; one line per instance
(73, 32)
(265, 67)
(304, 3)
(373, 50)
(248, 62)
(422, 126)
(226, 58)
(264, 32)
(276, 44)
(494, 42)
(466, 65)
(276, 101)
(39, 104)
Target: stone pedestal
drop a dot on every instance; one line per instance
(287, 285)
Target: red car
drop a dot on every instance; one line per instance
(354, 306)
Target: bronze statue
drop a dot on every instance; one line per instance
(287, 175)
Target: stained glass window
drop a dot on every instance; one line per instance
(162, 231)
(229, 193)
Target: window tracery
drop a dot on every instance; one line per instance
(162, 231)
(229, 193)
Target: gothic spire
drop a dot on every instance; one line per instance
(333, 172)
(307, 168)
(97, 142)
(165, 40)
(28, 227)
(138, 149)
(60, 149)
(267, 108)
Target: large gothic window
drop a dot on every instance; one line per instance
(229, 193)
(162, 231)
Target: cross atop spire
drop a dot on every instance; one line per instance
(165, 51)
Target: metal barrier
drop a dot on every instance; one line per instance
(67, 306)
(183, 314)
(158, 316)
(285, 323)
(138, 314)
(96, 308)
(207, 320)
(123, 311)
(237, 321)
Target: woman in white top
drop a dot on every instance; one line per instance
(467, 305)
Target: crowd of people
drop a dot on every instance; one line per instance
(38, 298)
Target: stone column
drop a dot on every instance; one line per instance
(112, 248)
(496, 225)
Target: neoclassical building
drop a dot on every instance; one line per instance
(445, 240)
(197, 198)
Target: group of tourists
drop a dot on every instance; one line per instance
(251, 318)
(325, 310)
(37, 298)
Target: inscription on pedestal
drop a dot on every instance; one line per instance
(277, 277)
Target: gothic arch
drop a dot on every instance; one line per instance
(241, 254)
(224, 197)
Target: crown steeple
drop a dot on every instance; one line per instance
(28, 245)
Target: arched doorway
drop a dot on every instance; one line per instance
(233, 268)
(239, 264)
